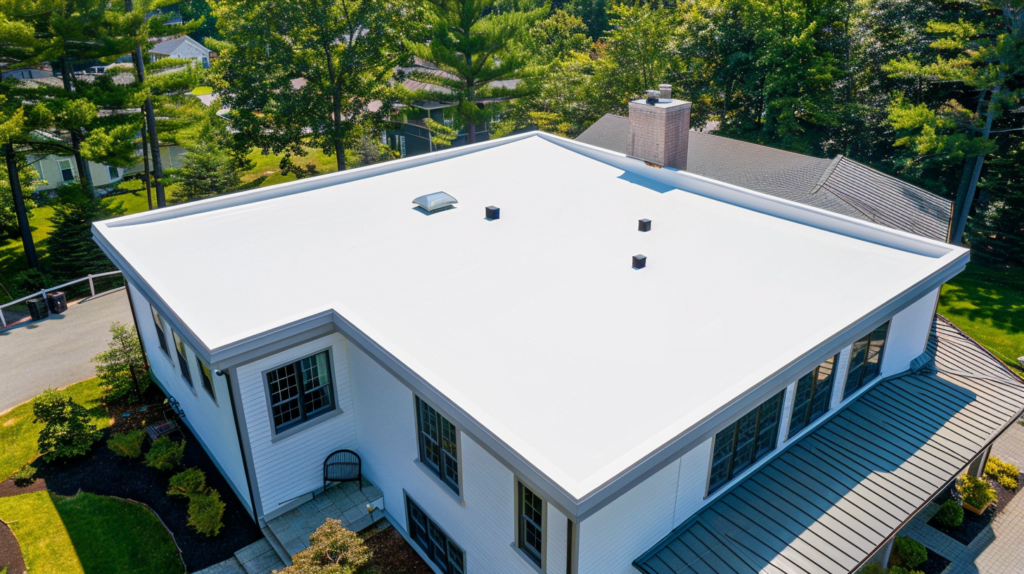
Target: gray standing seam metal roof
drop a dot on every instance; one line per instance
(840, 185)
(828, 501)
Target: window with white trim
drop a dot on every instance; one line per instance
(67, 172)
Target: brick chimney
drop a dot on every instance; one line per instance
(659, 128)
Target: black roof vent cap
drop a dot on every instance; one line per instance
(639, 261)
(645, 225)
(492, 212)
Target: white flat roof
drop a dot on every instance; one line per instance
(536, 324)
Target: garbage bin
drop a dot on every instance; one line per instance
(57, 302)
(37, 308)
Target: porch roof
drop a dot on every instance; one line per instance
(834, 496)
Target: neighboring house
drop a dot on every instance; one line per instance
(58, 170)
(768, 390)
(182, 47)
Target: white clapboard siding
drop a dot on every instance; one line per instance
(212, 422)
(556, 539)
(484, 524)
(293, 465)
(908, 334)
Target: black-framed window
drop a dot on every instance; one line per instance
(447, 555)
(179, 346)
(439, 445)
(160, 330)
(742, 443)
(813, 395)
(865, 359)
(530, 510)
(301, 390)
(206, 378)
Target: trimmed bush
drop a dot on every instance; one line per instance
(165, 454)
(69, 431)
(332, 548)
(188, 483)
(1006, 474)
(908, 553)
(205, 512)
(975, 491)
(127, 444)
(25, 476)
(950, 514)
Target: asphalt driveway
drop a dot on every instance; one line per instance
(57, 351)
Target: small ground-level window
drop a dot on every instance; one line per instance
(300, 391)
(865, 359)
(448, 556)
(160, 330)
(531, 524)
(179, 346)
(438, 440)
(813, 396)
(206, 377)
(741, 444)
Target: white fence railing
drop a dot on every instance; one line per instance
(42, 293)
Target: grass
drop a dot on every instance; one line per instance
(88, 534)
(19, 435)
(202, 91)
(988, 304)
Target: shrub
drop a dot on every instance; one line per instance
(165, 454)
(975, 491)
(122, 367)
(205, 511)
(950, 514)
(68, 431)
(1006, 474)
(127, 444)
(332, 548)
(908, 553)
(188, 483)
(25, 476)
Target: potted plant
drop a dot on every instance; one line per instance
(975, 494)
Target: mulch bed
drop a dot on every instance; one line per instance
(973, 524)
(10, 552)
(102, 472)
(393, 555)
(935, 564)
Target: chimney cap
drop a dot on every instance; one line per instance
(665, 90)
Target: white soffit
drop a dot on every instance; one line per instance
(536, 324)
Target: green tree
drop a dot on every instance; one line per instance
(479, 57)
(208, 170)
(557, 36)
(72, 251)
(640, 48)
(593, 13)
(307, 73)
(997, 228)
(68, 430)
(333, 549)
(122, 367)
(9, 225)
(369, 150)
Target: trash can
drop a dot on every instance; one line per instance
(37, 308)
(57, 302)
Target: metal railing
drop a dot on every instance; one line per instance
(90, 279)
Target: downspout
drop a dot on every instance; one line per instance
(238, 435)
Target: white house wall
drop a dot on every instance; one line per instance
(211, 421)
(290, 467)
(483, 522)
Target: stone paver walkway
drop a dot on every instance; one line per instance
(58, 351)
(256, 558)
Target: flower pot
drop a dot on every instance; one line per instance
(978, 511)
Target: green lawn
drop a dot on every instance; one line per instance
(19, 435)
(202, 91)
(88, 534)
(988, 304)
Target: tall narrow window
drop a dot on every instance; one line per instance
(531, 524)
(865, 360)
(179, 346)
(206, 378)
(813, 396)
(160, 330)
(433, 541)
(742, 443)
(300, 391)
(438, 444)
(67, 173)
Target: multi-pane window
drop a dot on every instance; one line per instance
(813, 395)
(438, 444)
(865, 360)
(744, 442)
(433, 541)
(66, 172)
(160, 330)
(179, 346)
(300, 391)
(531, 524)
(206, 378)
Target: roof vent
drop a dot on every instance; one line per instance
(653, 96)
(433, 202)
(639, 261)
(493, 212)
(645, 225)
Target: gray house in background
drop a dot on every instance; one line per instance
(182, 47)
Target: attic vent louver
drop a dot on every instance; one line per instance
(436, 201)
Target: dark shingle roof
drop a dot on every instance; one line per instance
(840, 185)
(828, 501)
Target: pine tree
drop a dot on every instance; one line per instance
(208, 170)
(72, 251)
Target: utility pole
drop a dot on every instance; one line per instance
(19, 206)
(154, 142)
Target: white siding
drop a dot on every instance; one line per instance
(556, 540)
(693, 481)
(293, 465)
(908, 334)
(212, 422)
(484, 524)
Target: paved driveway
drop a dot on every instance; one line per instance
(57, 351)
